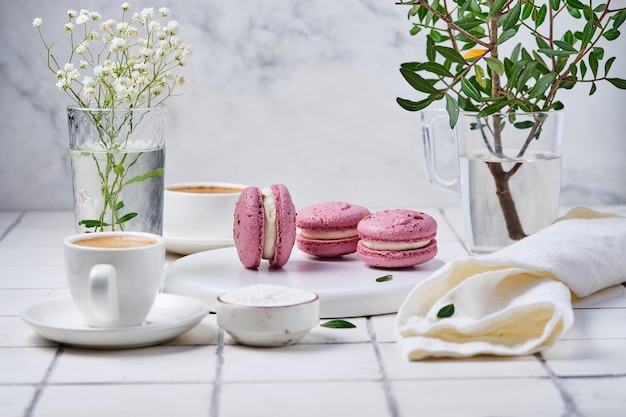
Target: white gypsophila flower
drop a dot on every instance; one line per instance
(153, 26)
(37, 22)
(60, 74)
(136, 18)
(147, 13)
(180, 80)
(172, 27)
(93, 35)
(126, 6)
(82, 18)
(175, 42)
(107, 24)
(95, 16)
(82, 47)
(88, 82)
(70, 27)
(62, 84)
(107, 37)
(143, 42)
(71, 13)
(118, 44)
(132, 32)
(165, 12)
(89, 93)
(83, 64)
(122, 27)
(147, 52)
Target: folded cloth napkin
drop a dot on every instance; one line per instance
(518, 300)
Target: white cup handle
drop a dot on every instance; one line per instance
(103, 292)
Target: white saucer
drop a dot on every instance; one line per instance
(59, 320)
(346, 286)
(183, 246)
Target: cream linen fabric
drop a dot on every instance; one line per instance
(518, 300)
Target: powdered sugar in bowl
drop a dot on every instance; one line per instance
(268, 315)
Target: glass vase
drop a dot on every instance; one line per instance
(117, 159)
(509, 172)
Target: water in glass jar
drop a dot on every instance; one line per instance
(118, 190)
(534, 187)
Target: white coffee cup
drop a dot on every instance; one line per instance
(200, 210)
(114, 277)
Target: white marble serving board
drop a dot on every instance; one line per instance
(346, 286)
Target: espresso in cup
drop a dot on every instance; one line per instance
(113, 241)
(200, 211)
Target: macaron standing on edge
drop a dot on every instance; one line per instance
(264, 226)
(329, 229)
(397, 238)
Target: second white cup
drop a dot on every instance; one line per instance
(200, 210)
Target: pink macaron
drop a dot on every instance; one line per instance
(397, 238)
(264, 226)
(329, 229)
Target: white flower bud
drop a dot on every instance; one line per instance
(37, 22)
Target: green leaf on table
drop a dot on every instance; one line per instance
(338, 324)
(446, 311)
(384, 278)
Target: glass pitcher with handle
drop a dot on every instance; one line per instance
(508, 172)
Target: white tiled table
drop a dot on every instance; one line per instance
(332, 372)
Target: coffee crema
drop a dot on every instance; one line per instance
(115, 242)
(206, 189)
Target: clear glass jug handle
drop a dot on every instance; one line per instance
(436, 131)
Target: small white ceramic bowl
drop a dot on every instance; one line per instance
(250, 322)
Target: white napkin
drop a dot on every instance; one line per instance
(518, 300)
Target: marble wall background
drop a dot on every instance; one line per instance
(298, 92)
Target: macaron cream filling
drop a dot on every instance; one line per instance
(269, 213)
(394, 246)
(329, 235)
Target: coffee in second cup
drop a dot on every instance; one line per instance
(200, 210)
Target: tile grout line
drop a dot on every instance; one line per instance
(443, 214)
(392, 404)
(12, 225)
(217, 381)
(44, 382)
(570, 406)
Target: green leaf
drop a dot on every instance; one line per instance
(554, 4)
(511, 18)
(592, 89)
(617, 82)
(495, 65)
(480, 76)
(414, 105)
(415, 30)
(118, 206)
(435, 68)
(452, 107)
(450, 54)
(338, 324)
(417, 81)
(92, 223)
(575, 4)
(118, 169)
(446, 311)
(526, 124)
(126, 218)
(611, 34)
(565, 46)
(493, 108)
(593, 64)
(506, 35)
(430, 49)
(496, 7)
(607, 65)
(542, 85)
(384, 278)
(588, 32)
(469, 90)
(583, 69)
(553, 52)
(527, 10)
(618, 19)
(150, 174)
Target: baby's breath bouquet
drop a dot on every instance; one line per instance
(118, 73)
